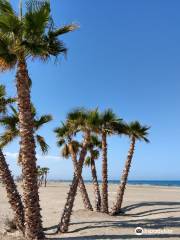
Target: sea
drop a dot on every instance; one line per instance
(152, 182)
(169, 183)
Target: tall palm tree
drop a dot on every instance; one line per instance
(136, 132)
(32, 35)
(71, 148)
(45, 171)
(12, 129)
(42, 173)
(94, 147)
(13, 195)
(84, 121)
(40, 176)
(109, 122)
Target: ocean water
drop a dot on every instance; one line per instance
(175, 183)
(152, 182)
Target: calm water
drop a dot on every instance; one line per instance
(152, 182)
(142, 182)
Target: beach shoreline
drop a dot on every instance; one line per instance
(116, 184)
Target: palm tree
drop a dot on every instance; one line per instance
(108, 124)
(22, 37)
(13, 195)
(46, 171)
(71, 148)
(136, 132)
(42, 174)
(12, 129)
(94, 147)
(84, 121)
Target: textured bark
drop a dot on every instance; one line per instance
(84, 194)
(121, 189)
(20, 155)
(104, 203)
(81, 185)
(13, 195)
(33, 222)
(65, 219)
(95, 184)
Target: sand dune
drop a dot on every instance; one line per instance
(155, 209)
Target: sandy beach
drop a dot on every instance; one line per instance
(155, 209)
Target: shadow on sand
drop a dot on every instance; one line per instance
(160, 223)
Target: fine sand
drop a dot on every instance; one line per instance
(155, 209)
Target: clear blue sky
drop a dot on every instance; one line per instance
(126, 56)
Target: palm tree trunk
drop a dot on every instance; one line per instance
(13, 195)
(42, 180)
(20, 155)
(104, 204)
(84, 194)
(121, 189)
(81, 185)
(65, 219)
(45, 180)
(33, 222)
(95, 183)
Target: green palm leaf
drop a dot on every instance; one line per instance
(6, 8)
(39, 122)
(42, 143)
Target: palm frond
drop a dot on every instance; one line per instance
(87, 161)
(2, 91)
(42, 143)
(95, 142)
(7, 58)
(4, 104)
(120, 127)
(108, 116)
(63, 30)
(45, 170)
(34, 33)
(95, 154)
(60, 142)
(66, 130)
(77, 114)
(62, 130)
(38, 123)
(138, 131)
(9, 122)
(65, 151)
(93, 120)
(6, 8)
(10, 24)
(14, 110)
(56, 47)
(76, 146)
(36, 19)
(7, 137)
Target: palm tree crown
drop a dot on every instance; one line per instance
(94, 146)
(109, 121)
(64, 134)
(139, 132)
(11, 124)
(84, 120)
(33, 35)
